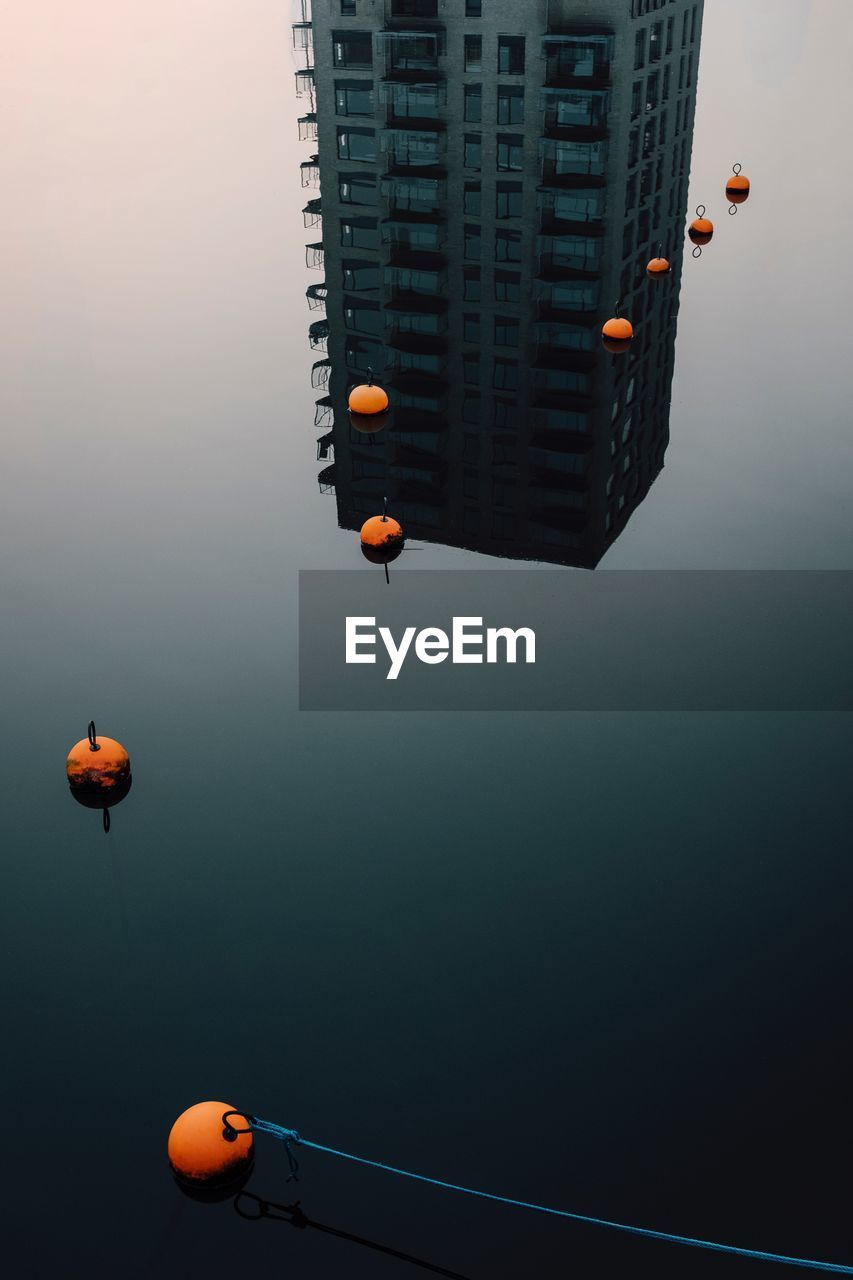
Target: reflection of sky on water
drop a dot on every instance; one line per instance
(641, 959)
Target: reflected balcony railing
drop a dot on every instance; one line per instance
(324, 411)
(303, 35)
(314, 256)
(312, 213)
(308, 127)
(318, 335)
(320, 373)
(309, 171)
(326, 479)
(316, 295)
(326, 446)
(305, 82)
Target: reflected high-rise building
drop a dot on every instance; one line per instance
(494, 176)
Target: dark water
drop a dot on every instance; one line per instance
(602, 962)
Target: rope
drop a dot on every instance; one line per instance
(290, 1136)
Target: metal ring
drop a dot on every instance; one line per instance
(697, 252)
(700, 211)
(229, 1132)
(732, 209)
(736, 168)
(94, 745)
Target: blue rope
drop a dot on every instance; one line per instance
(291, 1136)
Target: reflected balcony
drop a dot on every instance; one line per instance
(312, 213)
(576, 60)
(316, 295)
(318, 335)
(326, 479)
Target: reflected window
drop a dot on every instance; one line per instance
(354, 97)
(473, 200)
(505, 374)
(360, 233)
(511, 55)
(507, 331)
(472, 289)
(473, 53)
(473, 243)
(510, 152)
(511, 104)
(471, 327)
(508, 200)
(352, 49)
(508, 246)
(358, 188)
(473, 103)
(356, 144)
(471, 410)
(507, 286)
(473, 151)
(473, 8)
(360, 277)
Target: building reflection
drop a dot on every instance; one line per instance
(493, 176)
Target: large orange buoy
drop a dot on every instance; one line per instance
(737, 187)
(210, 1160)
(616, 333)
(97, 767)
(381, 538)
(367, 398)
(658, 267)
(701, 229)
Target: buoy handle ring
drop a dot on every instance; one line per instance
(384, 510)
(369, 376)
(700, 211)
(697, 252)
(229, 1131)
(94, 745)
(736, 168)
(732, 210)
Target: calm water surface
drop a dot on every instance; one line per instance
(601, 962)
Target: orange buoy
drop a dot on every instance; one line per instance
(210, 1160)
(737, 187)
(658, 267)
(381, 538)
(616, 333)
(701, 228)
(367, 398)
(98, 768)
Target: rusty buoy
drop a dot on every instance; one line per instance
(210, 1160)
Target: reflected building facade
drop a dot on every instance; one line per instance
(493, 176)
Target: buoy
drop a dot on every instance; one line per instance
(737, 187)
(209, 1160)
(381, 538)
(98, 772)
(616, 333)
(658, 267)
(97, 767)
(368, 398)
(701, 229)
